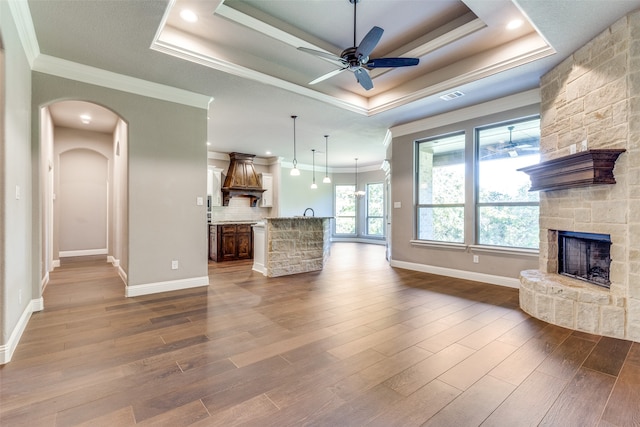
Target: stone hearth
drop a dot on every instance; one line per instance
(592, 101)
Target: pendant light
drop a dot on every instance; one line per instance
(295, 171)
(357, 193)
(313, 182)
(326, 178)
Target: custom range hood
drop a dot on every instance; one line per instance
(242, 180)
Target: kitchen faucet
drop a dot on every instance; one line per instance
(309, 209)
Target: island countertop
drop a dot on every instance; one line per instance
(275, 218)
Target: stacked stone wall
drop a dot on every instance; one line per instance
(593, 96)
(296, 245)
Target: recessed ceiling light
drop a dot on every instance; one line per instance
(85, 118)
(516, 23)
(208, 143)
(188, 15)
(268, 153)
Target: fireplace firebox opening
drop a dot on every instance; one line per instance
(585, 256)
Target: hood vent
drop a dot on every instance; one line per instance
(242, 180)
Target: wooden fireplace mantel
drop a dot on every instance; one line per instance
(591, 167)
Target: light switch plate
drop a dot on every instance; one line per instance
(397, 205)
(200, 201)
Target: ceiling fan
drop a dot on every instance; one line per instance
(356, 58)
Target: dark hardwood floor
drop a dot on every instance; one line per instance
(357, 344)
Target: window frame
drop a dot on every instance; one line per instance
(476, 186)
(368, 216)
(418, 206)
(335, 210)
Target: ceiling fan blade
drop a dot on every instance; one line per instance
(327, 76)
(324, 55)
(369, 42)
(363, 78)
(391, 62)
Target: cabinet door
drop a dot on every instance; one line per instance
(214, 185)
(227, 247)
(244, 242)
(213, 243)
(267, 196)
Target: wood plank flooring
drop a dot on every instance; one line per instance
(357, 344)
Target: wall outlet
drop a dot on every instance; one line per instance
(18, 192)
(476, 259)
(174, 264)
(583, 145)
(572, 149)
(397, 205)
(200, 201)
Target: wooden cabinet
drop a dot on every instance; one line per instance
(267, 184)
(230, 242)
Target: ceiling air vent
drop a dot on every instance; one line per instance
(452, 95)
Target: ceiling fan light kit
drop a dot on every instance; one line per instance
(356, 58)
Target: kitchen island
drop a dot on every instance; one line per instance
(291, 245)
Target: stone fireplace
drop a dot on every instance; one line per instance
(592, 101)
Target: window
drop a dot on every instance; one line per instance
(345, 209)
(375, 209)
(507, 212)
(440, 188)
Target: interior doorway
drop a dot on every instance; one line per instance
(84, 184)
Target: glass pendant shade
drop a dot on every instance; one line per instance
(313, 182)
(357, 193)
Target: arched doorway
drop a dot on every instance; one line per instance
(84, 184)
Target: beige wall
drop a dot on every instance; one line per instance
(83, 180)
(19, 266)
(167, 167)
(446, 260)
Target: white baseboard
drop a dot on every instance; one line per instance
(260, 268)
(359, 240)
(509, 282)
(7, 350)
(122, 274)
(171, 285)
(82, 252)
(113, 261)
(44, 282)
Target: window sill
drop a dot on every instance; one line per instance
(503, 250)
(441, 245)
(476, 248)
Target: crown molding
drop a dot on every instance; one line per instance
(511, 102)
(97, 76)
(26, 31)
(236, 70)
